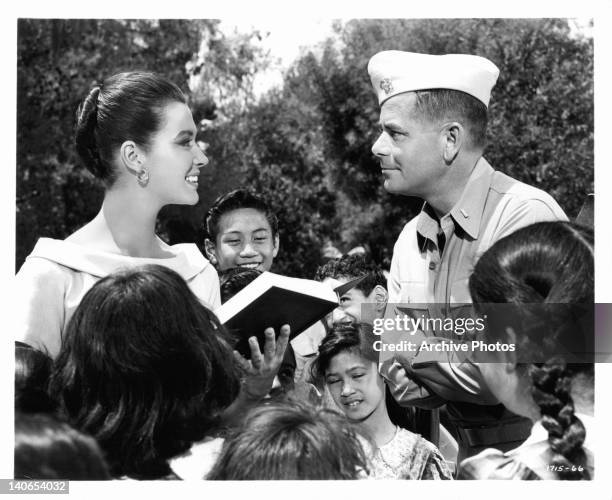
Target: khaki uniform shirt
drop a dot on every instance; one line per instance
(492, 206)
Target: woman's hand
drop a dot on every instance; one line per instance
(261, 369)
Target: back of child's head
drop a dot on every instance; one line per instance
(349, 267)
(235, 279)
(291, 440)
(235, 200)
(32, 373)
(46, 448)
(547, 271)
(143, 369)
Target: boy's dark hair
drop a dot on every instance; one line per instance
(233, 280)
(353, 266)
(234, 200)
(32, 372)
(291, 440)
(46, 448)
(143, 369)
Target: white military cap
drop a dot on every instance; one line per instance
(394, 71)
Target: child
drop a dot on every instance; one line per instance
(546, 267)
(232, 281)
(32, 372)
(348, 364)
(242, 232)
(46, 448)
(145, 370)
(372, 290)
(291, 440)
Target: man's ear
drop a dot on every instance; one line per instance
(381, 297)
(210, 249)
(453, 136)
(132, 157)
(276, 245)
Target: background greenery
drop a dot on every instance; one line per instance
(306, 145)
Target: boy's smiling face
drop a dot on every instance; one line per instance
(245, 239)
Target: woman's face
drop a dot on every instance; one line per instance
(355, 385)
(245, 239)
(174, 159)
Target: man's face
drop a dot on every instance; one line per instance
(349, 310)
(409, 149)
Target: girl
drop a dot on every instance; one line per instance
(144, 369)
(543, 268)
(348, 365)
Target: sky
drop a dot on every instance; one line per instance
(283, 38)
(286, 37)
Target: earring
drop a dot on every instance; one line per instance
(213, 259)
(143, 177)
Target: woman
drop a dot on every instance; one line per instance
(349, 366)
(136, 134)
(144, 368)
(545, 274)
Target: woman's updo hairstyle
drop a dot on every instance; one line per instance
(540, 268)
(127, 106)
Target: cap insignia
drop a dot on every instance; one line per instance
(385, 84)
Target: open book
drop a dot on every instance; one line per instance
(272, 300)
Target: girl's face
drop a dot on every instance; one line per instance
(245, 239)
(355, 385)
(174, 159)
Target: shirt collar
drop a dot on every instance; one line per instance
(467, 212)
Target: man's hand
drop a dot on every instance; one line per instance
(260, 370)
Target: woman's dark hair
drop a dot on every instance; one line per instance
(234, 200)
(291, 440)
(547, 263)
(32, 372)
(46, 448)
(143, 369)
(356, 338)
(127, 106)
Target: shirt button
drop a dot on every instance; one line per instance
(432, 265)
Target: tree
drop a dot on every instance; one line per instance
(58, 62)
(541, 114)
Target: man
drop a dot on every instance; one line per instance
(433, 120)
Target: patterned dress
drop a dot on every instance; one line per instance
(407, 456)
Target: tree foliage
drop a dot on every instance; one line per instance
(307, 145)
(541, 113)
